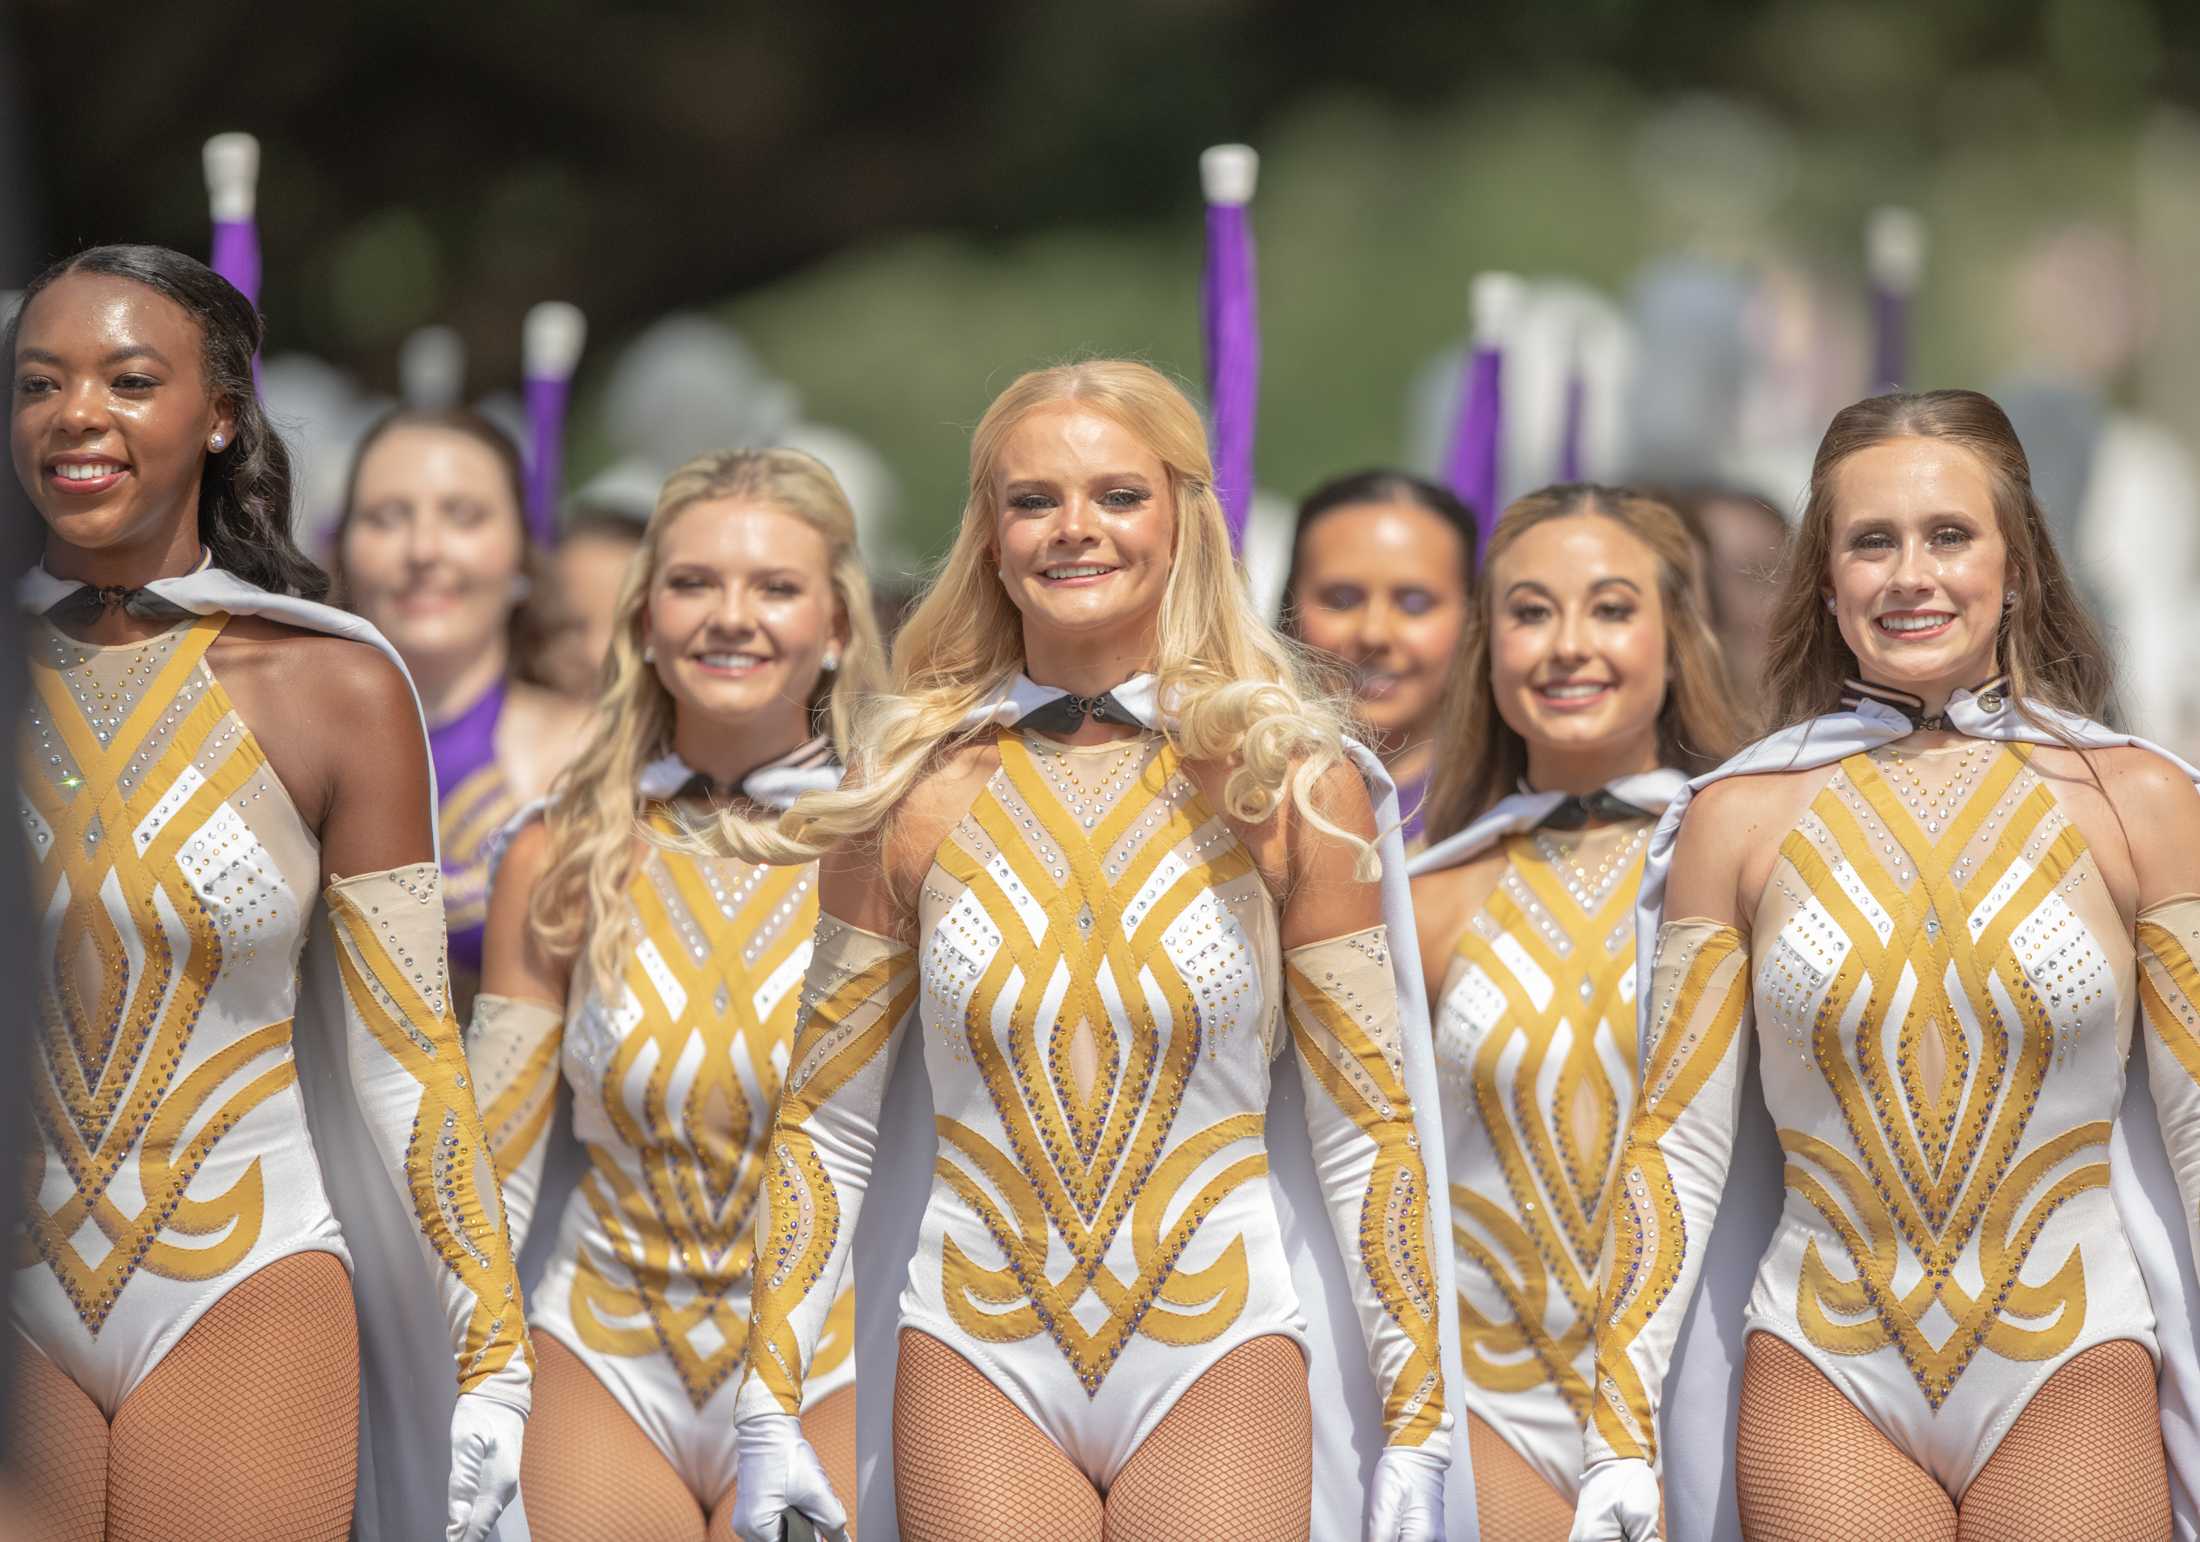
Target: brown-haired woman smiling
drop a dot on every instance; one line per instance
(1948, 899)
(1585, 689)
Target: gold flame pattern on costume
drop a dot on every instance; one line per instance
(127, 802)
(390, 942)
(1536, 1033)
(702, 1019)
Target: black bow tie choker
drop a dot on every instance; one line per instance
(87, 604)
(1067, 714)
(1574, 811)
(1854, 693)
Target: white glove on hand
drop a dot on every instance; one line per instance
(776, 1471)
(1405, 1503)
(1620, 1502)
(485, 1441)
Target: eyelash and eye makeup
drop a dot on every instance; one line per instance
(1118, 498)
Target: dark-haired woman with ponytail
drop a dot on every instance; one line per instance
(1382, 569)
(230, 1151)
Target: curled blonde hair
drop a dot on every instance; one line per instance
(1480, 757)
(595, 804)
(1236, 692)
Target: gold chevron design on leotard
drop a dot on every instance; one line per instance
(1557, 946)
(1926, 888)
(122, 787)
(1088, 1090)
(690, 1090)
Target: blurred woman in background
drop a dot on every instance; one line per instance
(433, 551)
(663, 983)
(1586, 688)
(1381, 566)
(575, 610)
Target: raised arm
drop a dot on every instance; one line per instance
(861, 985)
(1672, 1170)
(518, 1030)
(1341, 1000)
(409, 1074)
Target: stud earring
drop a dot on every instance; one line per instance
(2008, 599)
(1829, 605)
(649, 653)
(831, 661)
(216, 442)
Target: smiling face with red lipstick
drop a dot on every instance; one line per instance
(110, 424)
(1918, 568)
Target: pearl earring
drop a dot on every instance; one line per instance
(649, 653)
(831, 661)
(215, 443)
(1829, 605)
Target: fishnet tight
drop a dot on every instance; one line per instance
(1232, 1461)
(252, 1418)
(590, 1473)
(1511, 1498)
(2084, 1459)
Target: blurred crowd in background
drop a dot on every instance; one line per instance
(845, 233)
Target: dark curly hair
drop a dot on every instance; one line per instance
(245, 490)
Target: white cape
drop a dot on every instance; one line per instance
(1703, 1386)
(408, 1380)
(1348, 1427)
(1650, 791)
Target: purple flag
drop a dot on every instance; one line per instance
(1471, 468)
(232, 164)
(1571, 427)
(1230, 306)
(550, 349)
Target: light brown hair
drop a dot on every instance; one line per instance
(2050, 648)
(1480, 758)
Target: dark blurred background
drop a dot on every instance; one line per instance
(861, 221)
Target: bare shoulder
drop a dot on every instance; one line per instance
(1723, 854)
(1445, 902)
(873, 881)
(526, 856)
(292, 672)
(2129, 796)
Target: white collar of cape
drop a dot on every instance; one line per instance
(1649, 791)
(776, 784)
(207, 589)
(2147, 1202)
(1344, 1449)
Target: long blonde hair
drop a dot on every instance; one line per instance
(594, 804)
(2050, 647)
(1480, 757)
(1236, 691)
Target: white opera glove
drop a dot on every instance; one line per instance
(775, 1471)
(1405, 1503)
(485, 1444)
(1620, 1502)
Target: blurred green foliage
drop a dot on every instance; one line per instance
(903, 206)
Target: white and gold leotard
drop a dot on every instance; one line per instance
(1101, 990)
(1535, 1053)
(1944, 994)
(675, 1071)
(175, 880)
